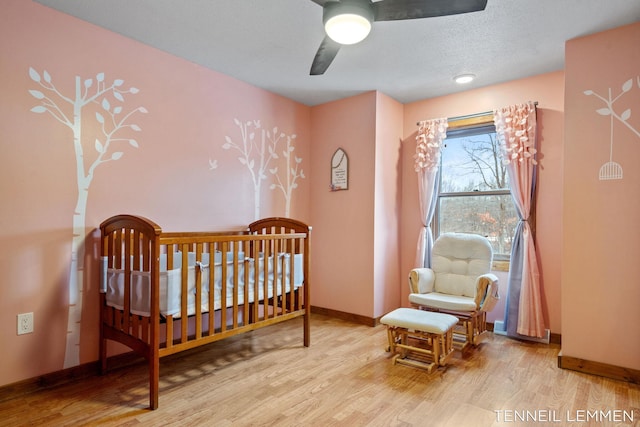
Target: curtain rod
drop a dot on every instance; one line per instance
(472, 116)
(467, 117)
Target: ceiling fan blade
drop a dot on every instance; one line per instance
(414, 9)
(321, 2)
(326, 52)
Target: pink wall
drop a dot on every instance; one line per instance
(547, 89)
(601, 234)
(168, 178)
(388, 186)
(343, 221)
(355, 238)
(363, 240)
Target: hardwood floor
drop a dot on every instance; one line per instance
(345, 378)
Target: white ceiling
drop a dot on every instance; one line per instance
(271, 43)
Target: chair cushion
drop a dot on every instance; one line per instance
(419, 320)
(457, 260)
(444, 301)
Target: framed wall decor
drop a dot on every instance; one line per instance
(339, 170)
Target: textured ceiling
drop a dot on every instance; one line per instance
(271, 43)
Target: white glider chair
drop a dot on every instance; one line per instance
(459, 282)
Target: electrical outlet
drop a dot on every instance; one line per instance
(25, 323)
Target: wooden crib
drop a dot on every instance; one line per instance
(165, 292)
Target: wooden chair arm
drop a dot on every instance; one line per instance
(487, 292)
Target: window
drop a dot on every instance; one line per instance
(474, 189)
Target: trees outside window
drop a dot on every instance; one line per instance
(474, 189)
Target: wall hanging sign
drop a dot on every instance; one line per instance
(339, 170)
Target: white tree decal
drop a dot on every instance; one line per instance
(112, 120)
(611, 169)
(257, 154)
(292, 174)
(608, 110)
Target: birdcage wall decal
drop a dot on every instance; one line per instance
(611, 169)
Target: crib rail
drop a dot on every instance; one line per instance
(253, 293)
(165, 292)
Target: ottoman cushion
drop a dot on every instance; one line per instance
(420, 320)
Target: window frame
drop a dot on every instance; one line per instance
(476, 124)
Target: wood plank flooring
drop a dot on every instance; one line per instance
(267, 378)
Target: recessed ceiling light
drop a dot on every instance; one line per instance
(464, 78)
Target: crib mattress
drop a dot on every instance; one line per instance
(112, 282)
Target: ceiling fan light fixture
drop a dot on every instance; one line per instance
(464, 78)
(347, 22)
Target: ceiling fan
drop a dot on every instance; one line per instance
(358, 15)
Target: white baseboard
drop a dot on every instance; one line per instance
(499, 329)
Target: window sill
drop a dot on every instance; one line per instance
(500, 266)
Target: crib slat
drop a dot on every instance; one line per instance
(292, 267)
(223, 290)
(117, 250)
(127, 279)
(169, 251)
(278, 289)
(236, 283)
(135, 326)
(247, 282)
(185, 292)
(212, 277)
(109, 316)
(118, 319)
(276, 270)
(136, 249)
(145, 329)
(198, 292)
(255, 305)
(169, 331)
(265, 271)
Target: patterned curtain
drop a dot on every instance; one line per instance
(516, 130)
(431, 133)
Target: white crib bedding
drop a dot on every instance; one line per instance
(112, 282)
